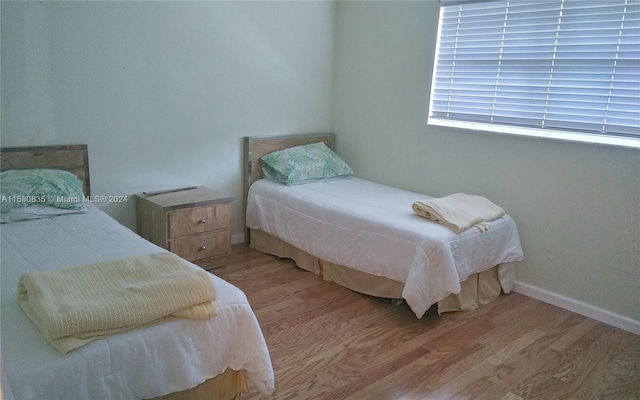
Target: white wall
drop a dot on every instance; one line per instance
(163, 92)
(577, 206)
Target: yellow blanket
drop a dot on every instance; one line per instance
(74, 306)
(459, 211)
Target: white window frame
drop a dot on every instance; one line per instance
(566, 135)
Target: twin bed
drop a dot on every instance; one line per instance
(180, 358)
(365, 236)
(357, 233)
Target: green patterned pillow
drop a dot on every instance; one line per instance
(52, 187)
(306, 163)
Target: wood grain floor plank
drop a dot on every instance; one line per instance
(329, 343)
(573, 335)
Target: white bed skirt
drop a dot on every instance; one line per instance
(478, 289)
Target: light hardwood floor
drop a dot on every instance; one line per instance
(327, 342)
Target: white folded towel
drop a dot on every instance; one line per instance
(459, 211)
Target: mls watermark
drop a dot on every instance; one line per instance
(29, 199)
(91, 199)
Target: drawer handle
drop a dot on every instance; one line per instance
(202, 221)
(203, 247)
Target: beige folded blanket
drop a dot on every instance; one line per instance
(74, 306)
(459, 211)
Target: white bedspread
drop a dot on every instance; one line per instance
(372, 228)
(143, 363)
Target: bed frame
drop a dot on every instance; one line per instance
(72, 158)
(75, 159)
(478, 289)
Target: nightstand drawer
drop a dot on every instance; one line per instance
(198, 220)
(207, 245)
(193, 222)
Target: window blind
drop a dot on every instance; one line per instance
(549, 64)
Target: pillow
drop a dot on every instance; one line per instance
(306, 163)
(52, 187)
(35, 211)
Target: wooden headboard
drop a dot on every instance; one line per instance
(72, 158)
(257, 146)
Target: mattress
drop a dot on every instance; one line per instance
(143, 363)
(372, 228)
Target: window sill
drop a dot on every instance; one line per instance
(539, 133)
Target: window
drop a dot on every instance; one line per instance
(567, 69)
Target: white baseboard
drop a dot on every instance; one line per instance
(237, 239)
(579, 307)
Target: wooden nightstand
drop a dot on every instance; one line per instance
(194, 223)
